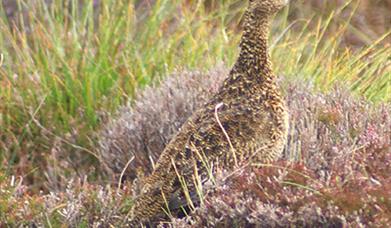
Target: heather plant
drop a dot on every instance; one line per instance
(335, 172)
(80, 204)
(141, 130)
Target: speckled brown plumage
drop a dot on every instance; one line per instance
(248, 106)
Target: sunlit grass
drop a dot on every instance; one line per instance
(59, 79)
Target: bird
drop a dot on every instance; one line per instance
(246, 119)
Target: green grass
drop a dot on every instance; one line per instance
(58, 81)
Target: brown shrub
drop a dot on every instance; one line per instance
(335, 169)
(321, 125)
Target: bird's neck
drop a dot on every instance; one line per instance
(253, 60)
